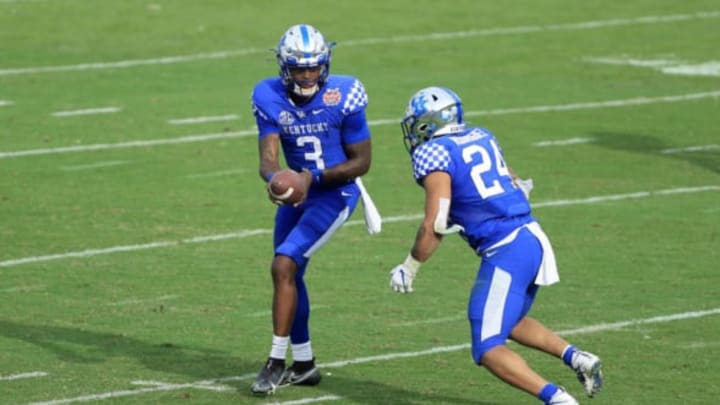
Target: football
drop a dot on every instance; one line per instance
(287, 187)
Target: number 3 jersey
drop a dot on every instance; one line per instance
(484, 200)
(313, 135)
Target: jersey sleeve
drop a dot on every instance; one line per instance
(261, 101)
(355, 128)
(356, 99)
(430, 157)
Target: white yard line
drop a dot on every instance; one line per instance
(390, 121)
(5, 103)
(563, 142)
(202, 120)
(436, 36)
(143, 301)
(309, 400)
(206, 384)
(667, 66)
(459, 317)
(700, 345)
(267, 312)
(24, 288)
(131, 63)
(711, 68)
(600, 104)
(254, 232)
(648, 63)
(129, 144)
(131, 248)
(220, 173)
(86, 111)
(669, 151)
(702, 148)
(34, 374)
(92, 166)
(203, 386)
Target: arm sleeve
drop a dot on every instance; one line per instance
(262, 99)
(430, 157)
(356, 98)
(355, 128)
(264, 123)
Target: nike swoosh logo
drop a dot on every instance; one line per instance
(345, 194)
(316, 112)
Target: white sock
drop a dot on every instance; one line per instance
(279, 347)
(302, 351)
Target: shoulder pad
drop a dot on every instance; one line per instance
(346, 92)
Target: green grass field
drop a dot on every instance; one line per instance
(134, 252)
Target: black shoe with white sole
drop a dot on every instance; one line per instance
(269, 377)
(301, 373)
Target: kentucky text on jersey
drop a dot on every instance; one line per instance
(305, 129)
(313, 135)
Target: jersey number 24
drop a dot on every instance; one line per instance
(493, 169)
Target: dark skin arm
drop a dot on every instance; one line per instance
(269, 150)
(358, 163)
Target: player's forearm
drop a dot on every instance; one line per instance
(269, 156)
(267, 169)
(513, 175)
(357, 164)
(426, 242)
(345, 172)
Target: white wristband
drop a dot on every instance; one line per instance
(412, 264)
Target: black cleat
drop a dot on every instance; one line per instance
(269, 377)
(301, 373)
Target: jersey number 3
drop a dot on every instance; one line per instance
(492, 170)
(316, 154)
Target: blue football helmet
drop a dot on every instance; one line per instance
(303, 46)
(431, 112)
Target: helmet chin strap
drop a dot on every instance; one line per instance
(303, 92)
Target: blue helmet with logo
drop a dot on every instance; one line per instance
(303, 46)
(431, 112)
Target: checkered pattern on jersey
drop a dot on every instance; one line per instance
(356, 99)
(428, 158)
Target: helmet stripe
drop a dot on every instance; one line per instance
(306, 40)
(458, 103)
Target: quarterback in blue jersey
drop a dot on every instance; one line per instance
(470, 190)
(318, 122)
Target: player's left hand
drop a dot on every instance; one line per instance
(525, 185)
(401, 279)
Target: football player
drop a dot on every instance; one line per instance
(470, 190)
(318, 120)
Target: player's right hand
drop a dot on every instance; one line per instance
(401, 279)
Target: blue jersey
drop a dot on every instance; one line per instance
(484, 200)
(313, 135)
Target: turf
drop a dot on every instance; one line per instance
(138, 273)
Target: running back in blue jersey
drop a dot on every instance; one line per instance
(485, 201)
(313, 134)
